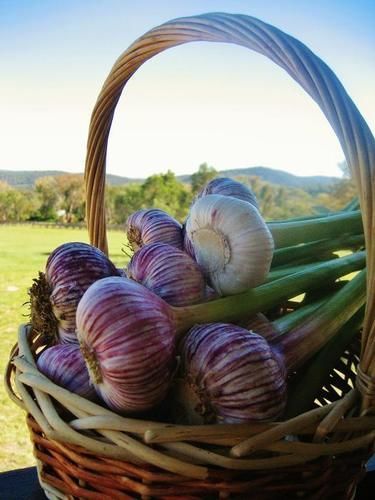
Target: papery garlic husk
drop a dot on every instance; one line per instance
(232, 243)
(187, 244)
(153, 225)
(226, 186)
(65, 366)
(126, 335)
(260, 324)
(210, 294)
(70, 270)
(234, 374)
(168, 272)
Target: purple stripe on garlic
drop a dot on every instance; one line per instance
(71, 268)
(126, 334)
(153, 226)
(168, 272)
(65, 366)
(231, 242)
(229, 187)
(234, 374)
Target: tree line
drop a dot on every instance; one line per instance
(61, 198)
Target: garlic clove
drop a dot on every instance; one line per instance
(231, 242)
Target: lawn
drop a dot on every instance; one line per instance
(23, 252)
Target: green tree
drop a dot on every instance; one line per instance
(71, 196)
(121, 201)
(200, 178)
(280, 202)
(16, 205)
(49, 196)
(164, 191)
(341, 192)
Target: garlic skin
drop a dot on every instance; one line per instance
(126, 336)
(153, 226)
(226, 186)
(187, 244)
(231, 241)
(260, 324)
(71, 268)
(65, 366)
(168, 272)
(234, 374)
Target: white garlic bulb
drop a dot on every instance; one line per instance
(231, 242)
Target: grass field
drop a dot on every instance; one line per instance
(23, 252)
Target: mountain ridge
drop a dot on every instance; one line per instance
(26, 178)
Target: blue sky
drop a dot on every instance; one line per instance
(214, 103)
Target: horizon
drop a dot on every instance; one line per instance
(173, 112)
(176, 175)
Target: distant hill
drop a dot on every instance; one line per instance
(26, 178)
(312, 184)
(316, 183)
(281, 178)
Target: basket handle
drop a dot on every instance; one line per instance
(302, 65)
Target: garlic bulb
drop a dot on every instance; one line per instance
(229, 187)
(231, 242)
(237, 376)
(65, 366)
(168, 272)
(233, 374)
(126, 335)
(71, 268)
(153, 226)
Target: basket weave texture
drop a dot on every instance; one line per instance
(86, 451)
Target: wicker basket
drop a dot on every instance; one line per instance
(86, 451)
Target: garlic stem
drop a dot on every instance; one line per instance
(291, 320)
(291, 254)
(352, 205)
(304, 340)
(291, 233)
(303, 391)
(310, 217)
(265, 296)
(287, 270)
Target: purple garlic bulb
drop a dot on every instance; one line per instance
(65, 366)
(127, 337)
(234, 374)
(168, 272)
(153, 226)
(71, 268)
(229, 187)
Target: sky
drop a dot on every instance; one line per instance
(200, 102)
